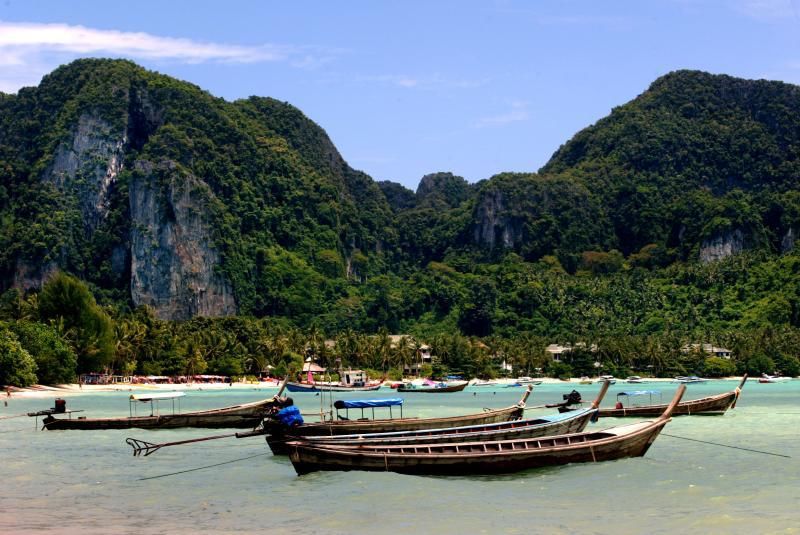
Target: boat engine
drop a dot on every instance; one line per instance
(60, 406)
(573, 398)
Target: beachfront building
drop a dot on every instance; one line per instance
(557, 352)
(709, 349)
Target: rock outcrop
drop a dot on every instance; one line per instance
(788, 240)
(722, 245)
(88, 164)
(494, 228)
(174, 266)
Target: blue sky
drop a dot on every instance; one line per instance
(412, 87)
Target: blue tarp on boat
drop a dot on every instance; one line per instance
(367, 403)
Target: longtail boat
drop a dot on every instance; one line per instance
(558, 424)
(485, 457)
(439, 388)
(277, 432)
(317, 387)
(711, 405)
(246, 415)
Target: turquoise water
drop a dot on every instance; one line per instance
(87, 481)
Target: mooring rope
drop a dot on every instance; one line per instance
(728, 446)
(14, 416)
(204, 467)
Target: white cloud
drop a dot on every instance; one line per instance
(29, 50)
(518, 112)
(433, 81)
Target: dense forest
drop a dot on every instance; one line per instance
(149, 227)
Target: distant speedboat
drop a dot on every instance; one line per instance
(528, 381)
(773, 379)
(485, 383)
(634, 379)
(690, 379)
(610, 379)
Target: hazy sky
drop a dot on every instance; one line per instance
(407, 88)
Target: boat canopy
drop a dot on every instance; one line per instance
(156, 396)
(639, 393)
(367, 403)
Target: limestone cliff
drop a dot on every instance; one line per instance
(494, 226)
(87, 164)
(174, 266)
(722, 245)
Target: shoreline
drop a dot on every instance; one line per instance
(42, 391)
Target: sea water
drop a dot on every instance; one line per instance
(88, 482)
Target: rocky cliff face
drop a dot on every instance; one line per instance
(722, 245)
(788, 240)
(88, 164)
(173, 262)
(494, 228)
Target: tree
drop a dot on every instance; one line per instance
(56, 361)
(17, 367)
(71, 307)
(477, 310)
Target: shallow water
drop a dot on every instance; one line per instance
(87, 481)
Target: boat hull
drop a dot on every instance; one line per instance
(472, 458)
(277, 435)
(242, 416)
(516, 429)
(711, 406)
(300, 387)
(434, 390)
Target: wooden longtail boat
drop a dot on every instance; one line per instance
(308, 387)
(711, 405)
(407, 387)
(487, 457)
(557, 424)
(247, 415)
(277, 433)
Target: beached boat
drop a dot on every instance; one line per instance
(634, 379)
(711, 405)
(585, 380)
(277, 432)
(484, 457)
(608, 379)
(437, 388)
(557, 424)
(773, 378)
(246, 415)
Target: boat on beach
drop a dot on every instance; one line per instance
(710, 405)
(484, 457)
(277, 432)
(245, 415)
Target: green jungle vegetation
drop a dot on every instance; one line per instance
(602, 246)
